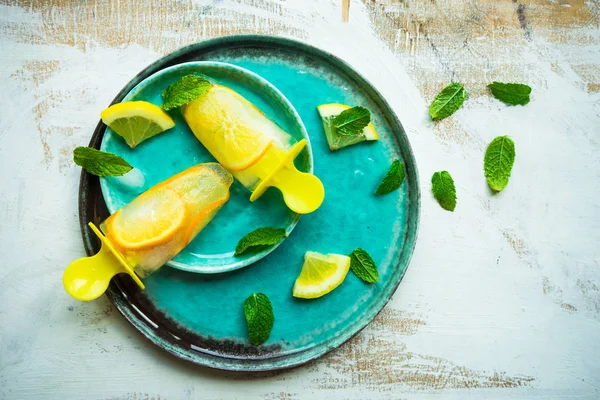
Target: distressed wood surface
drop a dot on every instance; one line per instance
(502, 298)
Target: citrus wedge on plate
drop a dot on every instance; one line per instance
(230, 126)
(151, 219)
(336, 141)
(321, 273)
(136, 121)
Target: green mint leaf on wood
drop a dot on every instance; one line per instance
(352, 121)
(363, 266)
(260, 239)
(447, 101)
(100, 163)
(510, 93)
(393, 179)
(259, 316)
(498, 162)
(184, 91)
(443, 189)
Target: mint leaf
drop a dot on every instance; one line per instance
(337, 141)
(447, 101)
(443, 189)
(510, 93)
(393, 179)
(363, 266)
(259, 239)
(498, 162)
(352, 121)
(259, 316)
(184, 91)
(100, 163)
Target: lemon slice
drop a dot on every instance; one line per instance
(335, 140)
(151, 219)
(136, 121)
(321, 273)
(231, 127)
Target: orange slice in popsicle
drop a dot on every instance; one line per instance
(175, 209)
(153, 221)
(229, 124)
(203, 218)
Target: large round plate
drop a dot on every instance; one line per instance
(200, 317)
(171, 152)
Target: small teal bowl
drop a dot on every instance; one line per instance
(168, 153)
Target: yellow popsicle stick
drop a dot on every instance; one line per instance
(302, 192)
(87, 278)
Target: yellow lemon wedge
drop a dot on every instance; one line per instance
(151, 219)
(334, 139)
(321, 273)
(228, 125)
(136, 121)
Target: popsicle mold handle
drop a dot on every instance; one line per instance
(302, 192)
(87, 278)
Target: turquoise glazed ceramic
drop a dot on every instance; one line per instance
(200, 317)
(166, 154)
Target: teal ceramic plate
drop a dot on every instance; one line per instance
(164, 155)
(199, 317)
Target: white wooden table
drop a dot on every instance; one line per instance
(502, 298)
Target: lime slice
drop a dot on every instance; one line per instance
(336, 141)
(136, 121)
(321, 273)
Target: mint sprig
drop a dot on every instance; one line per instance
(443, 189)
(184, 91)
(393, 179)
(510, 93)
(100, 163)
(352, 121)
(259, 316)
(363, 266)
(260, 239)
(447, 101)
(498, 162)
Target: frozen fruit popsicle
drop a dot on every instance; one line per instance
(254, 148)
(153, 228)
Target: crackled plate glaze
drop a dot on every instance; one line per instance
(169, 153)
(200, 317)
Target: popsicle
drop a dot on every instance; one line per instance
(252, 147)
(153, 228)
